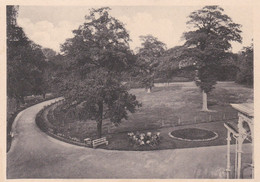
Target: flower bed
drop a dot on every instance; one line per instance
(142, 139)
(193, 134)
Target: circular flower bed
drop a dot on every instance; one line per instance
(193, 134)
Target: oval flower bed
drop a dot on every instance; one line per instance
(193, 134)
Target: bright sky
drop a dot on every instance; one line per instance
(50, 26)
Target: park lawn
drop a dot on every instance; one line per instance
(164, 108)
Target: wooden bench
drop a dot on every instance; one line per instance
(99, 141)
(88, 141)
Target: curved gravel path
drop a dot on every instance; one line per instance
(36, 155)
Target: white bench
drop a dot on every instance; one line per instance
(99, 141)
(88, 141)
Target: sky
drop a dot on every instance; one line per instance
(50, 26)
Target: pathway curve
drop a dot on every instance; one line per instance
(36, 155)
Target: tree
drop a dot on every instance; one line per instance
(15, 39)
(227, 70)
(245, 75)
(48, 53)
(173, 63)
(97, 56)
(148, 59)
(25, 61)
(52, 60)
(209, 42)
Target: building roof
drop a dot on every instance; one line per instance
(245, 108)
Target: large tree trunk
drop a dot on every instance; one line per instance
(204, 101)
(99, 121)
(149, 90)
(99, 128)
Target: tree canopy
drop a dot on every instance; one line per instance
(210, 41)
(246, 66)
(25, 60)
(173, 62)
(98, 54)
(148, 59)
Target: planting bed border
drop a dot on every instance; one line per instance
(195, 140)
(40, 120)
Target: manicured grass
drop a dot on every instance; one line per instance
(167, 107)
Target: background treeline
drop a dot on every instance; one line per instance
(34, 70)
(96, 68)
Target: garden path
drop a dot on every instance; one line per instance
(36, 155)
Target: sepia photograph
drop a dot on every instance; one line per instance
(129, 92)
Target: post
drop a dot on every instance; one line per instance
(240, 142)
(210, 118)
(228, 170)
(236, 160)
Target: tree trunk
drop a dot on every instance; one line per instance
(204, 101)
(149, 90)
(99, 121)
(99, 128)
(22, 99)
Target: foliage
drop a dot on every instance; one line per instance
(25, 61)
(53, 66)
(245, 74)
(148, 59)
(227, 70)
(173, 63)
(141, 139)
(209, 42)
(97, 56)
(48, 53)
